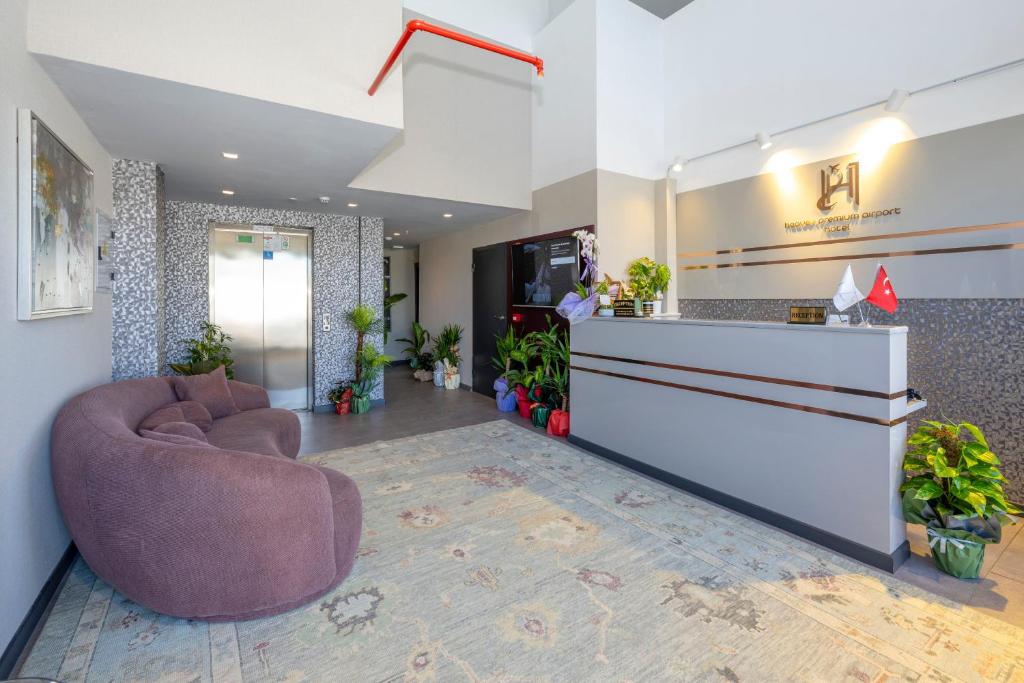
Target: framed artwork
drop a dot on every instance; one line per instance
(56, 225)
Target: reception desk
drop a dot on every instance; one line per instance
(800, 426)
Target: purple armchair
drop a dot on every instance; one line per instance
(236, 529)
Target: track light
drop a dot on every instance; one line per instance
(764, 141)
(677, 165)
(896, 100)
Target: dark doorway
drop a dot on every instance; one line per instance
(490, 311)
(416, 289)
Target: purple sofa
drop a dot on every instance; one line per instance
(231, 529)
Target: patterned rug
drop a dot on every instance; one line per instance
(491, 553)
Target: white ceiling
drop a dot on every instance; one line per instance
(662, 8)
(283, 151)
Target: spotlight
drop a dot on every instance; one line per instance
(227, 192)
(352, 205)
(896, 100)
(764, 141)
(677, 165)
(446, 215)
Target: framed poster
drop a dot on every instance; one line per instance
(56, 225)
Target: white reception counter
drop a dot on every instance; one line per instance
(801, 426)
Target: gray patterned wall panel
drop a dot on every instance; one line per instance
(966, 356)
(336, 277)
(138, 296)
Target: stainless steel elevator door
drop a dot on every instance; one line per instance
(260, 295)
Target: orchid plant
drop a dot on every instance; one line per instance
(579, 305)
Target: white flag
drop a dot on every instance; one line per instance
(847, 294)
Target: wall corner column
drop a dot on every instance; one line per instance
(665, 238)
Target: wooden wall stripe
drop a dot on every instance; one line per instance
(754, 378)
(866, 238)
(743, 397)
(851, 257)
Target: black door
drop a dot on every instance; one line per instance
(490, 306)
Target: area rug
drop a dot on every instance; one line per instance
(492, 553)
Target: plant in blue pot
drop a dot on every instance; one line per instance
(504, 392)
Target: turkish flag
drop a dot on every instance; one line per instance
(882, 294)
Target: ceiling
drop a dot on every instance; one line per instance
(662, 8)
(287, 157)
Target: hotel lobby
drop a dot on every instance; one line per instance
(512, 340)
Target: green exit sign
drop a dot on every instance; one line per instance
(245, 239)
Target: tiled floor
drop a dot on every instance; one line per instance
(417, 408)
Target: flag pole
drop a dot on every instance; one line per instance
(863, 321)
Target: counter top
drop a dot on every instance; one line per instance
(757, 324)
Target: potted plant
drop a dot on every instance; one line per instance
(641, 274)
(504, 393)
(557, 383)
(390, 301)
(446, 357)
(341, 397)
(954, 488)
(420, 361)
(207, 353)
(370, 366)
(661, 277)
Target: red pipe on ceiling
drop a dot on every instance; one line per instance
(418, 25)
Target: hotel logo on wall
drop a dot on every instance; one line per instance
(835, 181)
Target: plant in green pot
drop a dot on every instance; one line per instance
(206, 353)
(955, 489)
(370, 366)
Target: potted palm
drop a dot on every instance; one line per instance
(420, 361)
(370, 364)
(641, 273)
(504, 394)
(954, 488)
(206, 353)
(446, 357)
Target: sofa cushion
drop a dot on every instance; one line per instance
(181, 411)
(181, 433)
(268, 431)
(211, 390)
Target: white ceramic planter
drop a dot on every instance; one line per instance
(452, 381)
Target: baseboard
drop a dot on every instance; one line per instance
(465, 387)
(23, 635)
(329, 407)
(861, 553)
(400, 361)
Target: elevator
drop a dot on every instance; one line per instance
(261, 295)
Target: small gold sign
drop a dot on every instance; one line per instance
(807, 315)
(625, 308)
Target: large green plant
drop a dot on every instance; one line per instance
(206, 353)
(418, 358)
(660, 278)
(553, 346)
(363, 320)
(953, 476)
(390, 301)
(641, 273)
(446, 344)
(505, 345)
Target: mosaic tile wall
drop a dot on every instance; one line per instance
(966, 356)
(138, 293)
(341, 269)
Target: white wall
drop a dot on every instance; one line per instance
(403, 276)
(565, 100)
(512, 22)
(45, 361)
(318, 54)
(733, 67)
(467, 127)
(630, 90)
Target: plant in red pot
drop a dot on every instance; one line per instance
(558, 421)
(554, 348)
(341, 397)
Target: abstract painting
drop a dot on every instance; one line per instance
(56, 225)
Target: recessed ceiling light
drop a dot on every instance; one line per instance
(397, 234)
(293, 199)
(229, 155)
(388, 238)
(447, 215)
(352, 205)
(399, 246)
(227, 192)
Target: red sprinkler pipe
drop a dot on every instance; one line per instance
(418, 25)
